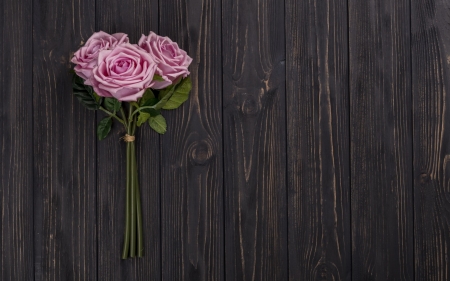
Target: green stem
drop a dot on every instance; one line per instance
(133, 214)
(133, 172)
(133, 201)
(113, 115)
(140, 244)
(129, 190)
(126, 242)
(133, 129)
(140, 235)
(130, 119)
(122, 113)
(142, 107)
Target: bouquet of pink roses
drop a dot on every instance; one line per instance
(131, 84)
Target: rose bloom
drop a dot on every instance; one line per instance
(123, 73)
(172, 61)
(86, 57)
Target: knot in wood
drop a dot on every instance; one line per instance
(326, 271)
(424, 178)
(250, 106)
(201, 152)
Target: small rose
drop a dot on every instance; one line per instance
(86, 57)
(172, 61)
(123, 73)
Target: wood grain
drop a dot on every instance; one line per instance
(318, 140)
(191, 150)
(315, 144)
(381, 146)
(16, 115)
(135, 18)
(254, 140)
(64, 147)
(431, 98)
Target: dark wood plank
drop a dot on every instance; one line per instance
(64, 147)
(254, 140)
(430, 87)
(318, 140)
(135, 18)
(191, 150)
(16, 171)
(381, 146)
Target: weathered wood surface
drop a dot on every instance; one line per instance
(16, 134)
(254, 140)
(191, 150)
(381, 140)
(63, 141)
(318, 140)
(430, 43)
(315, 144)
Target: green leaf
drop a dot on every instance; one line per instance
(86, 99)
(150, 102)
(84, 93)
(161, 103)
(164, 96)
(97, 97)
(151, 111)
(153, 104)
(146, 96)
(104, 127)
(166, 91)
(155, 112)
(77, 82)
(157, 77)
(180, 95)
(142, 118)
(112, 104)
(158, 123)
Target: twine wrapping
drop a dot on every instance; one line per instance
(128, 138)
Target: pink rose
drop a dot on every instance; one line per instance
(172, 61)
(86, 57)
(123, 73)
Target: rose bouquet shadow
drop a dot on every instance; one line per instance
(131, 84)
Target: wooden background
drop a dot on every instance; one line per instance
(315, 144)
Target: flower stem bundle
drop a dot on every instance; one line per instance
(131, 84)
(133, 244)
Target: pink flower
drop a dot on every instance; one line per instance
(172, 61)
(123, 73)
(86, 57)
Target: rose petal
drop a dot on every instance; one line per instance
(124, 72)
